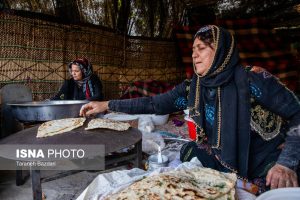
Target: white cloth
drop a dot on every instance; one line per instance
(105, 184)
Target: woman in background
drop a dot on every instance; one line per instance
(84, 85)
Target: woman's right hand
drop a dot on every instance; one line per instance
(280, 176)
(93, 107)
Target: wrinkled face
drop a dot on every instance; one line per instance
(76, 72)
(203, 56)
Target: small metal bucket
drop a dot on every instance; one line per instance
(153, 162)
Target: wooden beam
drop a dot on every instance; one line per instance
(197, 3)
(4, 4)
(67, 11)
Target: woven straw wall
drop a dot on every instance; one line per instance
(35, 52)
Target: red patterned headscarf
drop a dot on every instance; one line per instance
(87, 71)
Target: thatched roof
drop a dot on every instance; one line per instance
(157, 18)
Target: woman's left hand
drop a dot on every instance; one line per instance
(280, 176)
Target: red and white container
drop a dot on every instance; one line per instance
(191, 127)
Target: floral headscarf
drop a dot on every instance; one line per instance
(87, 71)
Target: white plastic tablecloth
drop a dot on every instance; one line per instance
(108, 183)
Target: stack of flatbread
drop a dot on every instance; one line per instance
(59, 126)
(191, 184)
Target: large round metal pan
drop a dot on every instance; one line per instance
(35, 111)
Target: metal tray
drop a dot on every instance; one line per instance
(35, 111)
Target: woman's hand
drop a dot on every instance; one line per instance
(93, 107)
(280, 176)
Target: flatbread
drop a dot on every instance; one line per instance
(198, 183)
(59, 126)
(107, 123)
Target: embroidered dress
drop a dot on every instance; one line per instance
(241, 113)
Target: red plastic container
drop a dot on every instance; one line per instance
(191, 127)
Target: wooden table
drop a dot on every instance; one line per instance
(113, 141)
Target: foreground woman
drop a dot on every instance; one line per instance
(247, 121)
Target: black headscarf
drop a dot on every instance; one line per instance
(230, 138)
